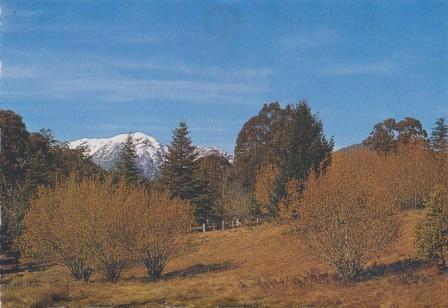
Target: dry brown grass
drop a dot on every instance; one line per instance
(253, 267)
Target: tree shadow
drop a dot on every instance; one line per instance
(198, 269)
(400, 267)
(13, 266)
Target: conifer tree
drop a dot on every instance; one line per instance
(126, 165)
(439, 136)
(180, 174)
(431, 240)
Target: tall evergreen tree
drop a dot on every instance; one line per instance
(126, 165)
(290, 138)
(304, 145)
(439, 136)
(180, 174)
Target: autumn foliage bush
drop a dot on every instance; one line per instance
(266, 189)
(412, 172)
(161, 224)
(89, 225)
(347, 216)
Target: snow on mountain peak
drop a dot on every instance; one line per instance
(150, 152)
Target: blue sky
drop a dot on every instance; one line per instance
(98, 68)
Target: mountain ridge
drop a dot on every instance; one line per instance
(150, 152)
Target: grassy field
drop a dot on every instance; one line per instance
(255, 266)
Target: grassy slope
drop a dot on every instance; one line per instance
(245, 266)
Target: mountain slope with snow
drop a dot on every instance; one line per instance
(105, 151)
(150, 152)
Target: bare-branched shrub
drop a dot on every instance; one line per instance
(91, 224)
(56, 228)
(162, 227)
(112, 221)
(82, 224)
(346, 216)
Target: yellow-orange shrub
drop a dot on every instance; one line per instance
(346, 217)
(91, 225)
(266, 188)
(411, 173)
(162, 226)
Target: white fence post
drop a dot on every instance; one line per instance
(222, 224)
(203, 227)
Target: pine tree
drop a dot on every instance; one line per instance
(126, 165)
(180, 174)
(439, 136)
(431, 240)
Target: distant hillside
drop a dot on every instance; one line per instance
(353, 147)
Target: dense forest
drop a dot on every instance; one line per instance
(58, 207)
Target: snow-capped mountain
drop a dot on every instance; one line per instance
(150, 152)
(203, 151)
(105, 151)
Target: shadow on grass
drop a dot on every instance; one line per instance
(191, 271)
(198, 269)
(11, 265)
(396, 268)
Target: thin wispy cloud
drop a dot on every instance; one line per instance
(122, 79)
(355, 69)
(311, 39)
(147, 60)
(122, 90)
